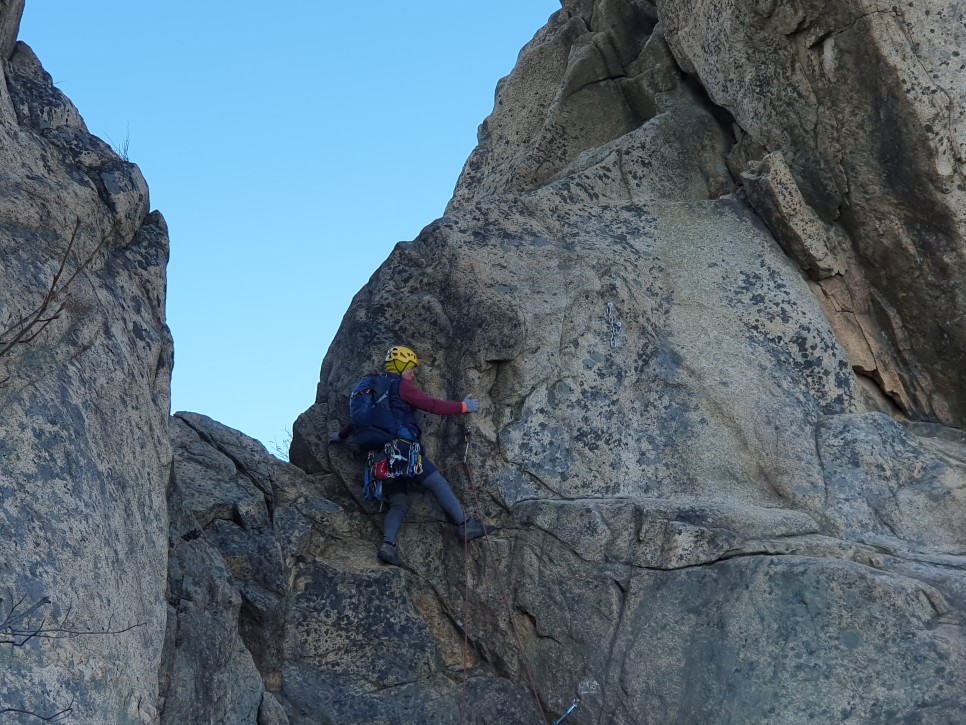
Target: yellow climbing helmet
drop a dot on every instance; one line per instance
(400, 358)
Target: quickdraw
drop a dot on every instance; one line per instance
(391, 462)
(570, 709)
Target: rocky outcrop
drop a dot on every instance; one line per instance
(279, 612)
(703, 272)
(85, 362)
(689, 346)
(866, 104)
(218, 545)
(855, 117)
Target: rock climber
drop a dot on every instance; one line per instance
(405, 398)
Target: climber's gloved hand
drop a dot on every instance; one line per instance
(335, 439)
(471, 405)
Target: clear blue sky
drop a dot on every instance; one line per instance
(289, 146)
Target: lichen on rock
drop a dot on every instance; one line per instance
(703, 272)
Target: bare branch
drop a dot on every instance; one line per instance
(12, 617)
(56, 717)
(62, 633)
(14, 630)
(29, 326)
(25, 324)
(45, 321)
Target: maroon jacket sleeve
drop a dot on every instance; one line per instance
(418, 399)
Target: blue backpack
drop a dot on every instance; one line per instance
(373, 421)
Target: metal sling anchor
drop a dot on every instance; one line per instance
(570, 709)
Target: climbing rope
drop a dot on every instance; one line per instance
(466, 604)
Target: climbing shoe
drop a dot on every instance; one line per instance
(389, 554)
(473, 528)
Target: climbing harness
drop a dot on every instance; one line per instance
(573, 706)
(391, 462)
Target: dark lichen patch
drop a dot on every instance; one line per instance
(799, 346)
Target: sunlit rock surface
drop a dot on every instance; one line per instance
(279, 611)
(704, 273)
(712, 317)
(84, 387)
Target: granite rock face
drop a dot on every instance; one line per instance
(84, 398)
(717, 427)
(866, 102)
(280, 613)
(855, 115)
(217, 547)
(704, 273)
